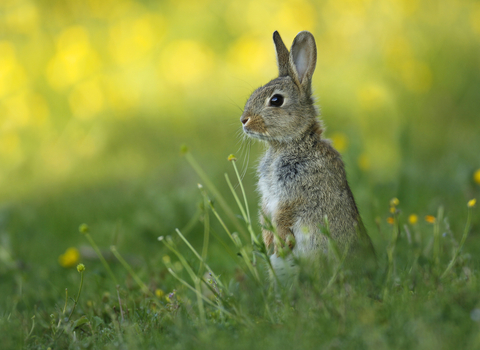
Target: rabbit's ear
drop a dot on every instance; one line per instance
(304, 57)
(283, 56)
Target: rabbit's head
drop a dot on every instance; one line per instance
(283, 109)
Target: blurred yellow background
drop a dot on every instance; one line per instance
(94, 90)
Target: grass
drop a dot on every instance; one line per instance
(398, 84)
(206, 284)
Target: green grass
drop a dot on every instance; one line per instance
(398, 82)
(186, 292)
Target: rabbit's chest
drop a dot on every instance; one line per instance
(270, 192)
(277, 181)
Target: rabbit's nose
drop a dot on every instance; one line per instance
(245, 120)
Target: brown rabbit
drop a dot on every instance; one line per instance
(302, 177)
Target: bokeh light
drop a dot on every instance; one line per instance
(74, 76)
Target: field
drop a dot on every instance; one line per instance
(111, 115)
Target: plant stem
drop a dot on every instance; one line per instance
(239, 245)
(78, 296)
(196, 280)
(243, 191)
(246, 215)
(130, 270)
(436, 237)
(215, 192)
(31, 329)
(199, 257)
(462, 242)
(206, 236)
(390, 255)
(100, 256)
(202, 296)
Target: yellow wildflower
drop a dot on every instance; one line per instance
(340, 141)
(471, 203)
(392, 210)
(391, 220)
(159, 293)
(476, 176)
(364, 162)
(231, 157)
(70, 258)
(394, 202)
(430, 219)
(412, 219)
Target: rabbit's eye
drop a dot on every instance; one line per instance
(276, 100)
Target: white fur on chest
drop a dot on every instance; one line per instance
(273, 195)
(270, 195)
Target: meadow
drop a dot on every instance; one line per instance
(111, 115)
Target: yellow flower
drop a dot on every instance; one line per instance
(231, 157)
(394, 202)
(471, 203)
(392, 210)
(80, 268)
(364, 162)
(476, 176)
(159, 293)
(340, 141)
(412, 219)
(391, 220)
(430, 219)
(70, 258)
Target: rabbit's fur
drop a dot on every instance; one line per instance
(302, 177)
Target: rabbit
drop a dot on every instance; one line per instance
(301, 177)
